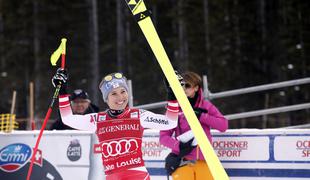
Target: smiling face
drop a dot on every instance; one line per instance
(118, 98)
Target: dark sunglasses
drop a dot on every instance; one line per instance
(187, 85)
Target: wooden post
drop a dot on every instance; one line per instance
(31, 124)
(12, 111)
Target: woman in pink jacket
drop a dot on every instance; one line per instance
(186, 162)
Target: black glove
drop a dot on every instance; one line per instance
(199, 111)
(186, 148)
(172, 162)
(170, 94)
(60, 78)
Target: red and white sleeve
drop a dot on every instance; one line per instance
(81, 122)
(173, 109)
(159, 121)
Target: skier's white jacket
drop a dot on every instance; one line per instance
(121, 137)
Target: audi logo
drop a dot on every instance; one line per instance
(115, 148)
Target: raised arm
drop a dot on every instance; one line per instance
(158, 121)
(81, 122)
(168, 121)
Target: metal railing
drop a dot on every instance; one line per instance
(268, 111)
(303, 126)
(258, 88)
(265, 87)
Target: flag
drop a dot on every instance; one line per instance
(61, 50)
(38, 160)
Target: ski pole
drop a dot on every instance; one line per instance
(47, 116)
(54, 58)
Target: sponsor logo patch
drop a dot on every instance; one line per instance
(134, 115)
(74, 151)
(14, 156)
(102, 118)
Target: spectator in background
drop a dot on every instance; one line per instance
(186, 162)
(80, 104)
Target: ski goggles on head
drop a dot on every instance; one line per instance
(109, 77)
(111, 81)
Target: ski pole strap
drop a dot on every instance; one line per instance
(142, 15)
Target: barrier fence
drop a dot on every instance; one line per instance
(251, 154)
(241, 91)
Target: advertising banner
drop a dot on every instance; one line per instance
(60, 155)
(292, 148)
(245, 154)
(241, 148)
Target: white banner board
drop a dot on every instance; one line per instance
(249, 154)
(292, 148)
(61, 155)
(245, 154)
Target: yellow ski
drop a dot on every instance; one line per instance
(142, 16)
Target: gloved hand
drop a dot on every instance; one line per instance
(60, 78)
(172, 162)
(199, 111)
(186, 148)
(170, 94)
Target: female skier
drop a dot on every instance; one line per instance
(186, 162)
(119, 128)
